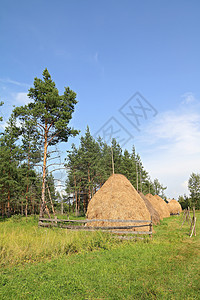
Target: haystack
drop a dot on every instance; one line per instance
(174, 207)
(159, 204)
(118, 199)
(153, 212)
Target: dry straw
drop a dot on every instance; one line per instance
(118, 199)
(153, 212)
(159, 204)
(174, 207)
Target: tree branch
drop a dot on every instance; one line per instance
(53, 138)
(50, 126)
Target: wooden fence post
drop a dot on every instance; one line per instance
(151, 227)
(193, 224)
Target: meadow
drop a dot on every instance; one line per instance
(41, 263)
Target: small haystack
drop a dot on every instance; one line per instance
(174, 207)
(153, 212)
(159, 204)
(117, 199)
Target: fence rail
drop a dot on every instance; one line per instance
(43, 222)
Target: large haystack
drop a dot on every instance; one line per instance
(159, 204)
(153, 212)
(174, 207)
(118, 199)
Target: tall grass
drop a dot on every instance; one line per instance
(22, 241)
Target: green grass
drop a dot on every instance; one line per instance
(21, 241)
(166, 267)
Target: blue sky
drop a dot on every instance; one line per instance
(107, 52)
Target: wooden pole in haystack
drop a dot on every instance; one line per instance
(112, 159)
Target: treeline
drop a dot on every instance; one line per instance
(20, 184)
(193, 200)
(88, 167)
(27, 141)
(92, 163)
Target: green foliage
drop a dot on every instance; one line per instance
(194, 188)
(184, 201)
(1, 103)
(18, 179)
(16, 218)
(159, 188)
(46, 120)
(50, 109)
(10, 155)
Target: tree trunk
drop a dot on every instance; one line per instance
(22, 211)
(61, 204)
(73, 203)
(8, 204)
(79, 200)
(52, 207)
(79, 197)
(136, 177)
(89, 192)
(27, 185)
(85, 202)
(26, 209)
(43, 203)
(76, 198)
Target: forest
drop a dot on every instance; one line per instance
(28, 141)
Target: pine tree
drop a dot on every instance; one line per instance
(9, 162)
(159, 188)
(117, 155)
(50, 114)
(74, 177)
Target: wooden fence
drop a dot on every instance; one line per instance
(121, 229)
(192, 221)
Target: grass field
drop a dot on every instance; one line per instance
(39, 263)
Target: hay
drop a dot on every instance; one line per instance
(164, 206)
(159, 204)
(118, 199)
(153, 212)
(174, 207)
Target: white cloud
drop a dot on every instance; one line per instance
(3, 125)
(22, 98)
(14, 82)
(178, 129)
(185, 184)
(188, 98)
(170, 147)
